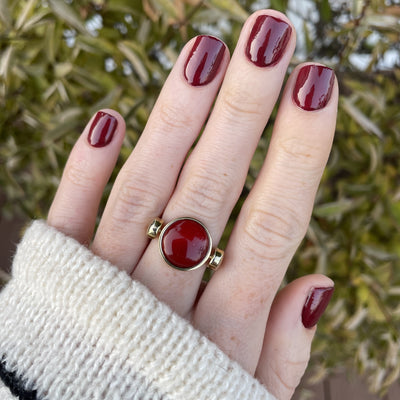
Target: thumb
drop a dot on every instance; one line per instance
(290, 331)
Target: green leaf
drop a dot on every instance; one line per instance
(5, 13)
(6, 62)
(64, 123)
(357, 7)
(358, 116)
(378, 253)
(99, 45)
(125, 6)
(208, 16)
(335, 209)
(308, 40)
(36, 20)
(380, 21)
(86, 79)
(232, 7)
(167, 7)
(62, 69)
(325, 11)
(394, 375)
(374, 309)
(108, 101)
(280, 5)
(51, 42)
(129, 51)
(67, 14)
(395, 209)
(27, 10)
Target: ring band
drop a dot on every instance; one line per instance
(185, 244)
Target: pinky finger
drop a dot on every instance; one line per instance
(89, 166)
(290, 330)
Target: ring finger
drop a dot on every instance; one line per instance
(274, 217)
(147, 179)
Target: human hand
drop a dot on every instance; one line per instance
(268, 334)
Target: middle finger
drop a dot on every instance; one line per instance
(213, 177)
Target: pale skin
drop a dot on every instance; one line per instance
(240, 309)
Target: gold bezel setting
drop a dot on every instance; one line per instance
(213, 259)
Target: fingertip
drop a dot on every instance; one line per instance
(275, 14)
(117, 115)
(302, 302)
(313, 87)
(106, 127)
(267, 40)
(317, 300)
(203, 60)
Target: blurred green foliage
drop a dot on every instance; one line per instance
(60, 61)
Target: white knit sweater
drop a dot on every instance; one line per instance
(72, 326)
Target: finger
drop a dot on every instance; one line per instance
(213, 177)
(273, 219)
(147, 179)
(290, 331)
(88, 169)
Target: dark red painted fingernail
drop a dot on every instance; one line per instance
(313, 87)
(267, 41)
(204, 60)
(315, 305)
(102, 129)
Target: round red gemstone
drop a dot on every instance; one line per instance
(185, 243)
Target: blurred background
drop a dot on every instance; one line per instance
(61, 60)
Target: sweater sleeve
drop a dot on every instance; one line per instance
(72, 326)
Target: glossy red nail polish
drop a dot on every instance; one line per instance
(204, 60)
(102, 129)
(267, 40)
(315, 305)
(313, 87)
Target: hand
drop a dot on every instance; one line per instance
(269, 334)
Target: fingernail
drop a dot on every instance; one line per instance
(315, 305)
(267, 41)
(204, 60)
(313, 87)
(102, 129)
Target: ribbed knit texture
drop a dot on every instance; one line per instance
(73, 326)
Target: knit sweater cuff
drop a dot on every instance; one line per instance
(72, 326)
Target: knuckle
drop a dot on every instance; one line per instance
(71, 224)
(286, 362)
(78, 174)
(273, 234)
(239, 104)
(172, 117)
(288, 367)
(204, 195)
(250, 299)
(133, 199)
(287, 377)
(105, 244)
(307, 154)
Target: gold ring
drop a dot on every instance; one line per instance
(185, 244)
